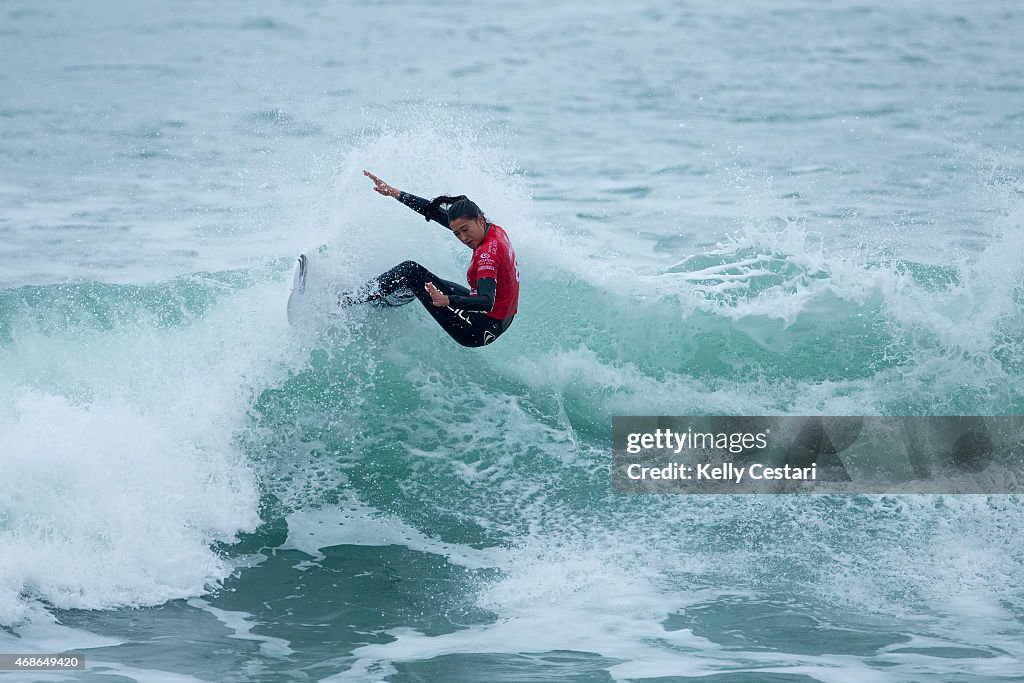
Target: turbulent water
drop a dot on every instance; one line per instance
(758, 208)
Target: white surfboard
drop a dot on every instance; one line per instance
(316, 281)
(298, 301)
(314, 297)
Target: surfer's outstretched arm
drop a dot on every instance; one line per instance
(423, 207)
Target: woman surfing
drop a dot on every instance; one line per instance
(473, 316)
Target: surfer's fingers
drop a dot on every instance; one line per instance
(377, 181)
(380, 186)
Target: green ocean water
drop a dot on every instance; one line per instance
(372, 501)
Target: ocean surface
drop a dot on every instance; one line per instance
(745, 208)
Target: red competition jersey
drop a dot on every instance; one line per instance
(495, 258)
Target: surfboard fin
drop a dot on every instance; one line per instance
(301, 275)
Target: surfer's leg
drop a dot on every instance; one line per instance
(407, 280)
(468, 328)
(396, 287)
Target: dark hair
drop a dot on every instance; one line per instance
(458, 207)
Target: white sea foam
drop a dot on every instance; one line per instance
(591, 599)
(120, 462)
(241, 625)
(353, 523)
(587, 590)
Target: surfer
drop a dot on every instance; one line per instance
(473, 316)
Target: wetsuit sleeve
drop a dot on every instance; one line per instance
(422, 207)
(486, 290)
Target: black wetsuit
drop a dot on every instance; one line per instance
(464, 319)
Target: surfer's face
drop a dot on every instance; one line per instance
(470, 231)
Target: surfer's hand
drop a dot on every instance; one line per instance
(436, 296)
(382, 187)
